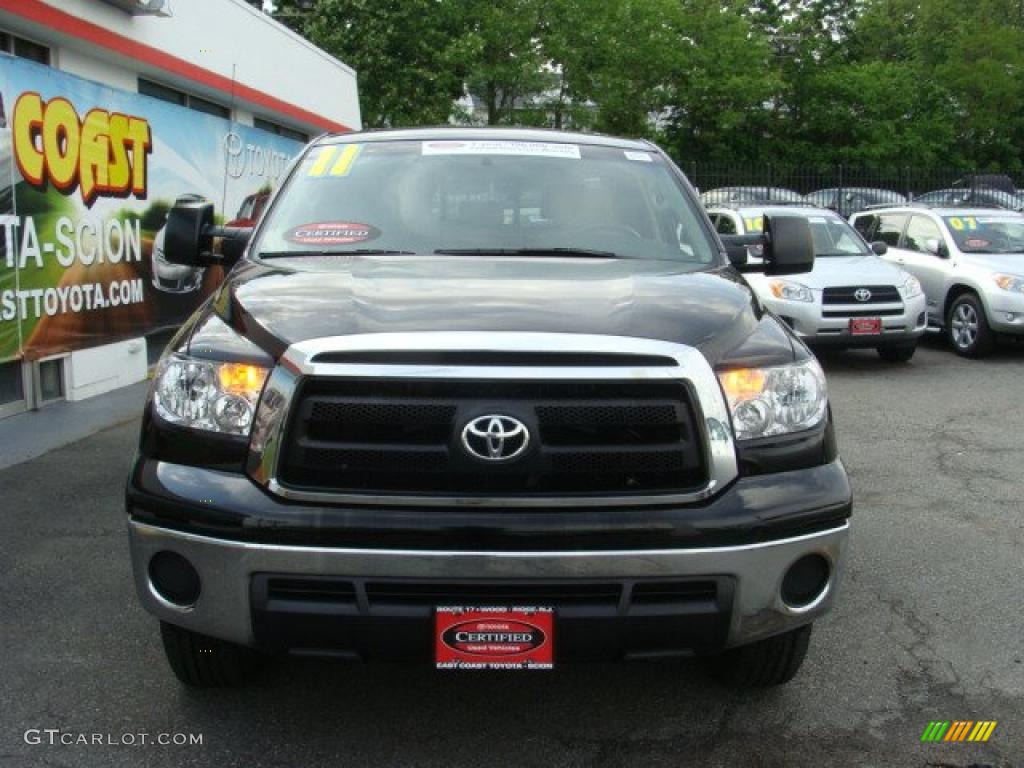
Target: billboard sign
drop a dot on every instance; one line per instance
(87, 175)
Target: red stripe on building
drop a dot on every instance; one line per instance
(40, 13)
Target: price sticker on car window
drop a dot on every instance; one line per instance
(963, 223)
(333, 161)
(754, 223)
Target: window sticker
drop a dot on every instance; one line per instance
(642, 157)
(961, 223)
(333, 161)
(976, 242)
(332, 233)
(753, 223)
(518, 148)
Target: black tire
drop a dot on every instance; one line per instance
(768, 662)
(897, 353)
(967, 327)
(206, 662)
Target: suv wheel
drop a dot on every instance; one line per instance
(768, 662)
(967, 326)
(206, 662)
(897, 353)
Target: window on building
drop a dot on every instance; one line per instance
(51, 380)
(11, 386)
(280, 130)
(25, 49)
(182, 99)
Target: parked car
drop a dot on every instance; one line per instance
(852, 298)
(848, 200)
(982, 196)
(970, 262)
(754, 194)
(486, 399)
(169, 277)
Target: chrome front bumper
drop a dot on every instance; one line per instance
(226, 567)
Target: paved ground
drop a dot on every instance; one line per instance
(929, 626)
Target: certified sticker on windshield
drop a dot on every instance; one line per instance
(517, 148)
(332, 233)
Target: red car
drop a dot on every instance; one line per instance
(250, 209)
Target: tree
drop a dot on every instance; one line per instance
(409, 55)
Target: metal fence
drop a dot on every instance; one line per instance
(851, 188)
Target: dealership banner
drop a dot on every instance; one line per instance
(87, 175)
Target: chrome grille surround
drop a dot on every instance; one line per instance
(298, 362)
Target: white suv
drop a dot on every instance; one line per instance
(969, 260)
(852, 298)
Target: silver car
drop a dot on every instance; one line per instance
(970, 262)
(852, 298)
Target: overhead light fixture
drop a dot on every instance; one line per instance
(142, 7)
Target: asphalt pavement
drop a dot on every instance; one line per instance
(928, 626)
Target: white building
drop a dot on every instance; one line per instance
(263, 91)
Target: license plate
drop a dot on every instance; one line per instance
(865, 326)
(494, 637)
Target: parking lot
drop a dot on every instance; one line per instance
(927, 627)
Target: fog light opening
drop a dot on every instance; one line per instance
(805, 581)
(174, 579)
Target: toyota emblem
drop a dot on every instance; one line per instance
(862, 294)
(495, 438)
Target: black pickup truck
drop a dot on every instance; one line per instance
(485, 399)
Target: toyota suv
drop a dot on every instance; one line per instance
(486, 399)
(970, 261)
(852, 298)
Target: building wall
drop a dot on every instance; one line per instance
(225, 50)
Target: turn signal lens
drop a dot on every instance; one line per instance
(742, 383)
(241, 379)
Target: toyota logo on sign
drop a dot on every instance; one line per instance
(862, 294)
(495, 438)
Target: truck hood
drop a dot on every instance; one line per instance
(284, 301)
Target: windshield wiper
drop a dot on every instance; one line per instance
(583, 252)
(354, 252)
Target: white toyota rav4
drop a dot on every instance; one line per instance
(970, 262)
(852, 298)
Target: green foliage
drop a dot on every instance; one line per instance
(870, 82)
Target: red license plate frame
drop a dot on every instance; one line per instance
(494, 637)
(865, 326)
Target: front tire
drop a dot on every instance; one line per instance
(897, 353)
(206, 662)
(967, 327)
(773, 661)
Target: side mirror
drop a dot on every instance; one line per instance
(936, 247)
(189, 234)
(788, 247)
(880, 248)
(737, 255)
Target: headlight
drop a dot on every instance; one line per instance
(1013, 283)
(201, 394)
(775, 401)
(911, 288)
(784, 289)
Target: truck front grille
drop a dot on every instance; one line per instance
(369, 437)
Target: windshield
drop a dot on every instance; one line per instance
(485, 197)
(832, 236)
(987, 234)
